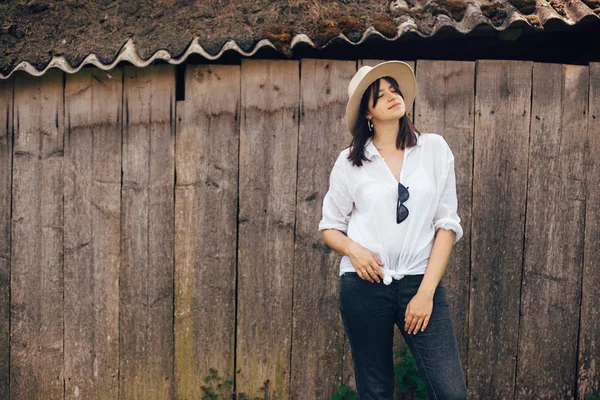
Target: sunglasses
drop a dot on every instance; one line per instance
(401, 210)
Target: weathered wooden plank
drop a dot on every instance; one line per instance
(318, 333)
(92, 202)
(147, 234)
(36, 359)
(205, 226)
(6, 141)
(589, 333)
(551, 283)
(267, 194)
(502, 108)
(445, 105)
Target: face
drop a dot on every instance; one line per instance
(390, 104)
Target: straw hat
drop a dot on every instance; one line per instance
(400, 71)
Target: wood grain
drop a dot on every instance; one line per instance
(36, 354)
(502, 109)
(267, 202)
(318, 342)
(6, 144)
(92, 203)
(206, 226)
(147, 234)
(144, 279)
(553, 261)
(588, 382)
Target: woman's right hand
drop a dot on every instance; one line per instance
(366, 264)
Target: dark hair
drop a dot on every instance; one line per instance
(407, 137)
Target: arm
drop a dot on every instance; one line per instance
(438, 261)
(337, 207)
(446, 223)
(337, 241)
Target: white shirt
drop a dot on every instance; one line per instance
(361, 202)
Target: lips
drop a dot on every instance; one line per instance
(393, 105)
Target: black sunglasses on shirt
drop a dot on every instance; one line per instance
(401, 210)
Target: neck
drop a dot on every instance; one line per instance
(385, 135)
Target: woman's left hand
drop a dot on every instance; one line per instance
(417, 313)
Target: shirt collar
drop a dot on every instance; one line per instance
(371, 150)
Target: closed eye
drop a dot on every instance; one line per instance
(393, 90)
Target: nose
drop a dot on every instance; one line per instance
(392, 98)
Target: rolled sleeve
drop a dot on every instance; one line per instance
(337, 203)
(446, 216)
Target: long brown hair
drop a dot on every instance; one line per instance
(407, 137)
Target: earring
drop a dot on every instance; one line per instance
(370, 125)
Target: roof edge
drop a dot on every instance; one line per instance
(128, 51)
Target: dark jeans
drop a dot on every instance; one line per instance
(370, 311)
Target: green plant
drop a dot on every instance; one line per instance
(591, 397)
(242, 396)
(218, 389)
(407, 375)
(344, 392)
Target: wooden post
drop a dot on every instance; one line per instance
(589, 329)
(502, 108)
(268, 151)
(147, 234)
(206, 226)
(554, 233)
(318, 339)
(92, 204)
(36, 354)
(6, 158)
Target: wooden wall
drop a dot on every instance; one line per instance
(145, 240)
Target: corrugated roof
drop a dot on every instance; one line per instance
(265, 25)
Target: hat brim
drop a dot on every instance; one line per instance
(400, 71)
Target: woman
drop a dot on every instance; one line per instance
(391, 211)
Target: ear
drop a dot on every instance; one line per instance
(368, 115)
